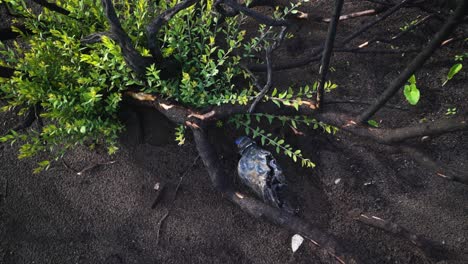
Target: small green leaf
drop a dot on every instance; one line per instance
(373, 123)
(412, 94)
(453, 71)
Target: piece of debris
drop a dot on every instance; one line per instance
(157, 186)
(337, 180)
(296, 242)
(368, 183)
(90, 167)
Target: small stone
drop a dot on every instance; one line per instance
(157, 186)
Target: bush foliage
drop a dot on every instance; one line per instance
(77, 88)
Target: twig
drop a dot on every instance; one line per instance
(269, 52)
(267, 86)
(426, 245)
(435, 168)
(417, 62)
(326, 55)
(4, 194)
(68, 166)
(389, 12)
(158, 232)
(183, 176)
(90, 167)
(155, 26)
(368, 12)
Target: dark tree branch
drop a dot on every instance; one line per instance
(258, 209)
(267, 86)
(133, 59)
(52, 6)
(31, 116)
(417, 62)
(269, 52)
(446, 173)
(327, 52)
(96, 37)
(6, 72)
(182, 115)
(8, 33)
(155, 26)
(262, 19)
(394, 135)
(429, 247)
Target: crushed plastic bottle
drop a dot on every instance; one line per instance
(258, 170)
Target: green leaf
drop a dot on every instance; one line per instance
(83, 129)
(412, 79)
(373, 123)
(412, 94)
(453, 71)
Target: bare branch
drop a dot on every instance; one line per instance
(155, 26)
(52, 6)
(32, 115)
(429, 247)
(181, 115)
(417, 62)
(327, 52)
(393, 135)
(133, 59)
(269, 52)
(446, 173)
(6, 72)
(263, 19)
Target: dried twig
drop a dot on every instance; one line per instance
(158, 232)
(183, 176)
(368, 12)
(90, 167)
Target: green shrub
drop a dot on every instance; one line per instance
(79, 87)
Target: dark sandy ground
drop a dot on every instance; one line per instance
(105, 214)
